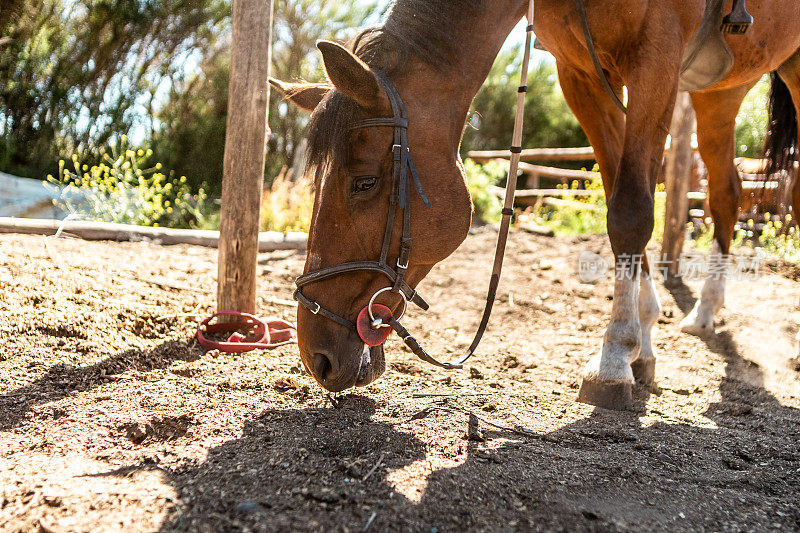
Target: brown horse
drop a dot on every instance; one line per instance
(437, 54)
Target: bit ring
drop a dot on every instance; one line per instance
(372, 301)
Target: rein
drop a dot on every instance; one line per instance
(375, 321)
(266, 333)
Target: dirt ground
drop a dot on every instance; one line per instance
(113, 419)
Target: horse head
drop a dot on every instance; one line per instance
(362, 207)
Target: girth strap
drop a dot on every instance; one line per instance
(587, 35)
(371, 122)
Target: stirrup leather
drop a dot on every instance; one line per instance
(738, 21)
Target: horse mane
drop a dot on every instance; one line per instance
(423, 28)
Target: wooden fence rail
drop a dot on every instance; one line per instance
(537, 154)
(106, 231)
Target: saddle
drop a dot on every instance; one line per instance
(708, 58)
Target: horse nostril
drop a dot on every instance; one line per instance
(322, 365)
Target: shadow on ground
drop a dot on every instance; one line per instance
(62, 380)
(336, 469)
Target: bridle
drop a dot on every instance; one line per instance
(403, 173)
(374, 321)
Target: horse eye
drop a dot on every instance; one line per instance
(364, 184)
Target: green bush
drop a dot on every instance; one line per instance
(583, 215)
(751, 122)
(775, 240)
(125, 188)
(486, 205)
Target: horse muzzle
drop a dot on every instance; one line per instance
(345, 363)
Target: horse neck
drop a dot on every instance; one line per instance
(479, 36)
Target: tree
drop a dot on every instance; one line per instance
(8, 10)
(548, 120)
(192, 122)
(75, 73)
(190, 138)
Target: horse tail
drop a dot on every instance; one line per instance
(780, 143)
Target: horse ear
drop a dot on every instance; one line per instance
(350, 75)
(306, 96)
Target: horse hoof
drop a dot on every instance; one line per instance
(698, 322)
(615, 395)
(644, 370)
(697, 329)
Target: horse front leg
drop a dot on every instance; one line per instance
(604, 125)
(608, 376)
(652, 85)
(644, 366)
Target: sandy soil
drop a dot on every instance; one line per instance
(112, 418)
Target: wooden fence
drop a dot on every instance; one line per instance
(683, 174)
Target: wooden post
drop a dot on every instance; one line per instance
(245, 144)
(677, 177)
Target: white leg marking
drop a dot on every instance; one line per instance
(700, 321)
(622, 340)
(649, 309)
(798, 345)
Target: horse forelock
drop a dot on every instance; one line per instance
(328, 132)
(423, 28)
